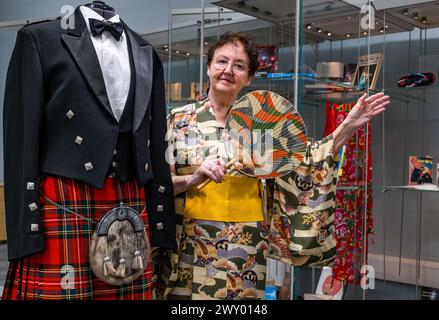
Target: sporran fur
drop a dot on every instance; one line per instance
(120, 249)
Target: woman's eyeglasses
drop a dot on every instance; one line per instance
(237, 67)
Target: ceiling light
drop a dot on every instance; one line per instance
(206, 43)
(424, 20)
(255, 9)
(188, 54)
(365, 33)
(319, 30)
(166, 49)
(348, 35)
(329, 33)
(405, 12)
(349, 18)
(382, 30)
(166, 46)
(415, 16)
(308, 26)
(177, 51)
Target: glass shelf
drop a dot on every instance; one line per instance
(347, 188)
(322, 90)
(421, 187)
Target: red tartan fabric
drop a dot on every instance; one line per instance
(352, 242)
(62, 270)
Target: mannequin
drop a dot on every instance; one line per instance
(101, 8)
(84, 133)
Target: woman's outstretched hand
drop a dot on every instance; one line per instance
(364, 110)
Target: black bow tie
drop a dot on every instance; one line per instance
(97, 27)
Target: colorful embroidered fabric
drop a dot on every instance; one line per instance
(349, 213)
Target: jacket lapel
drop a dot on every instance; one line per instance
(83, 52)
(143, 68)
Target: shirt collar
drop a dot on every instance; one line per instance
(88, 13)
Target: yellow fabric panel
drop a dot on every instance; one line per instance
(237, 199)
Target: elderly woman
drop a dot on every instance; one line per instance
(222, 255)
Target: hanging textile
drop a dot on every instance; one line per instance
(352, 246)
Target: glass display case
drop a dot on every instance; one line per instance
(322, 56)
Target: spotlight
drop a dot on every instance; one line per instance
(424, 20)
(188, 54)
(329, 33)
(365, 33)
(382, 30)
(177, 51)
(308, 26)
(415, 16)
(348, 35)
(405, 12)
(319, 30)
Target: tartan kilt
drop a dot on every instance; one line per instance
(62, 270)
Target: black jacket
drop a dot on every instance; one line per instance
(55, 92)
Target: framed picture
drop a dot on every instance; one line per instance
(368, 69)
(420, 170)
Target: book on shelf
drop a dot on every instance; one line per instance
(420, 170)
(175, 90)
(195, 90)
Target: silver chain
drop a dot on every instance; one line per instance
(77, 214)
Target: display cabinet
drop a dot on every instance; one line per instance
(323, 50)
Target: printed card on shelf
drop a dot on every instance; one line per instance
(329, 286)
(420, 170)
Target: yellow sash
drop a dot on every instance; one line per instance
(237, 199)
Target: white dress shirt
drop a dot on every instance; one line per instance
(114, 61)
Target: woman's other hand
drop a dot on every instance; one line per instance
(213, 169)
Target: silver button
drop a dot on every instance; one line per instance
(149, 142)
(114, 164)
(30, 186)
(78, 140)
(146, 166)
(114, 152)
(160, 208)
(70, 114)
(159, 226)
(88, 166)
(33, 206)
(162, 189)
(34, 227)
